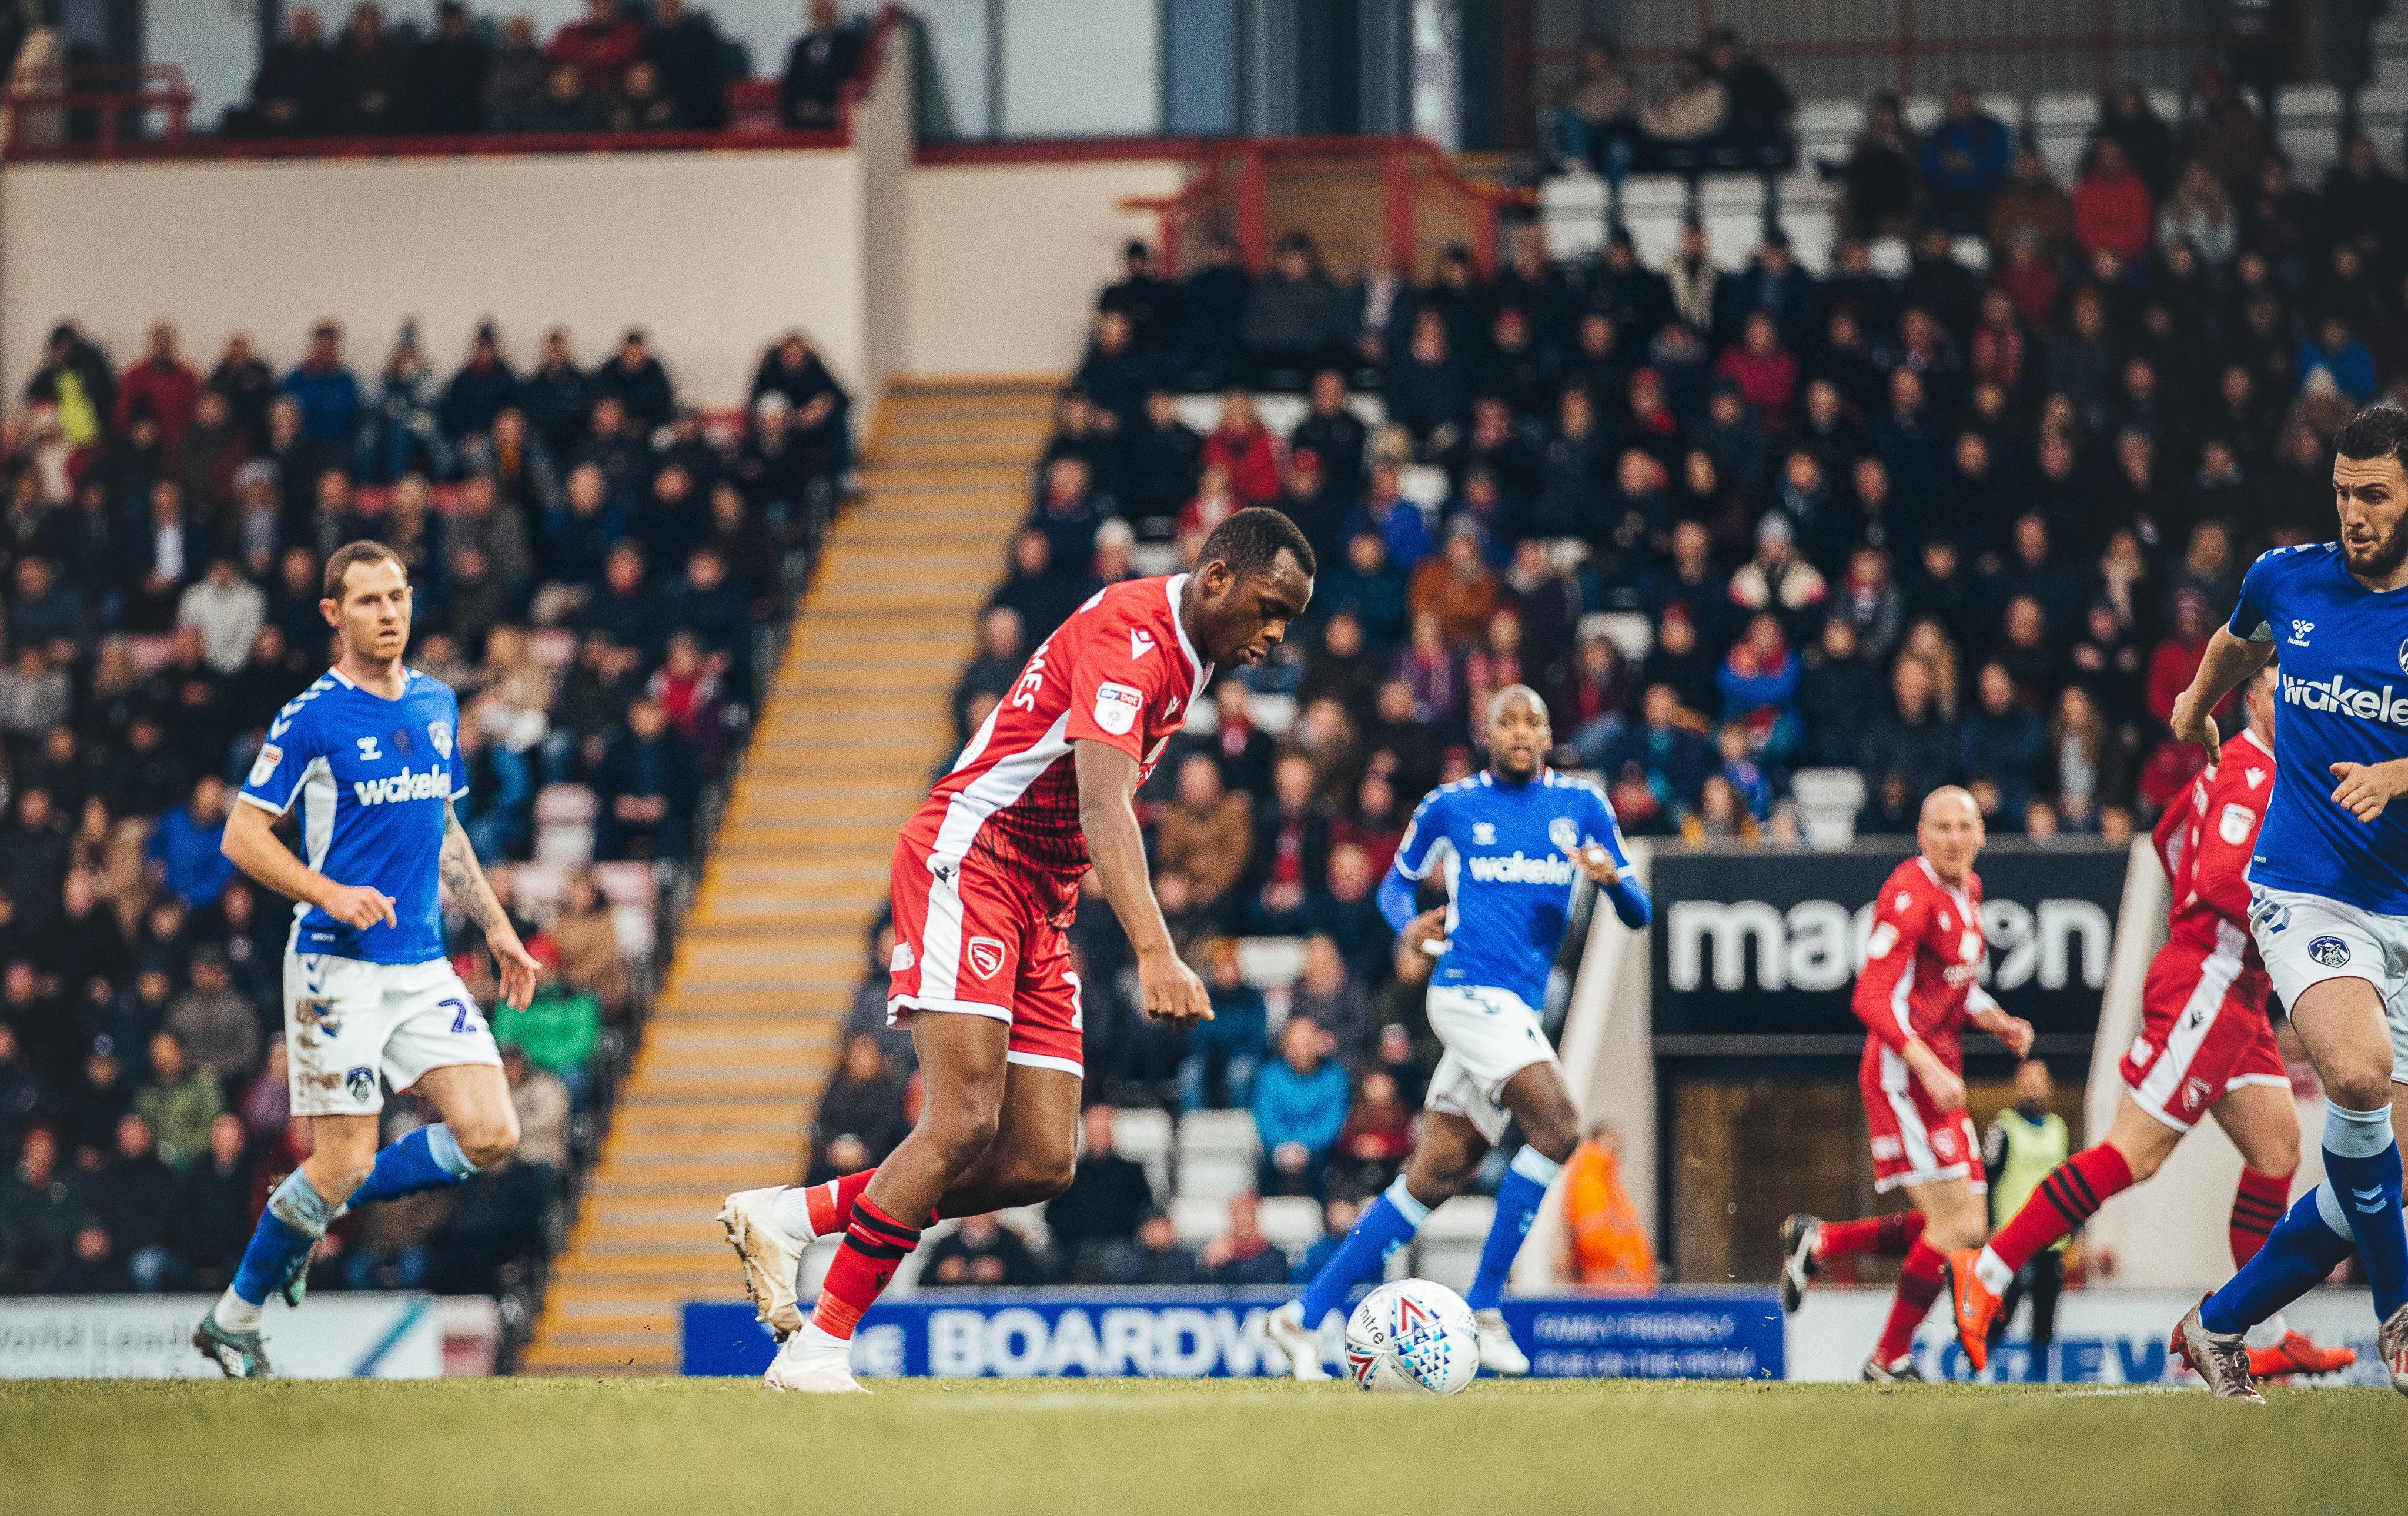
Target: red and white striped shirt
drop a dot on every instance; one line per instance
(1120, 671)
(1921, 965)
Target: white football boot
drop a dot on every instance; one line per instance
(1286, 1329)
(772, 1258)
(1499, 1352)
(813, 1362)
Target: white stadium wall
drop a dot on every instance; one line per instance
(713, 252)
(1005, 258)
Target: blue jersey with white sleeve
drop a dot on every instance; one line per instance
(2344, 654)
(1506, 851)
(372, 777)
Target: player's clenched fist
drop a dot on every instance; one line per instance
(358, 905)
(2192, 723)
(1172, 991)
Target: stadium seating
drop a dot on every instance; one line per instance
(746, 1027)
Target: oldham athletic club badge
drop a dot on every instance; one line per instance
(2330, 952)
(440, 733)
(362, 1083)
(1565, 834)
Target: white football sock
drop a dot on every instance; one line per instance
(790, 1211)
(234, 1313)
(1993, 1272)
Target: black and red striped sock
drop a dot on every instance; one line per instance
(2256, 1206)
(2066, 1196)
(875, 1245)
(1882, 1237)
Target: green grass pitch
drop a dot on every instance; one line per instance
(530, 1447)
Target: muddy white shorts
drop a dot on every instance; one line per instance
(349, 1023)
(2308, 939)
(1490, 1035)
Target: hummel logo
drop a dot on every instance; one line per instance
(2299, 630)
(1141, 643)
(2370, 1202)
(2255, 776)
(368, 753)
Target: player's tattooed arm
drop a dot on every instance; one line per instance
(467, 884)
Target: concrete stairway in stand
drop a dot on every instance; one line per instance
(746, 1029)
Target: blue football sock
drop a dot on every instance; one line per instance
(1386, 1225)
(422, 1159)
(2362, 1165)
(295, 1217)
(1517, 1200)
(2308, 1243)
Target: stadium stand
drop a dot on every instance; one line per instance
(1838, 514)
(749, 1023)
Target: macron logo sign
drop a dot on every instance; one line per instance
(2339, 696)
(433, 785)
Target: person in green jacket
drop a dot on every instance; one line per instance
(560, 1026)
(181, 1100)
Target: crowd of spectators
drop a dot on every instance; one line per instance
(589, 562)
(625, 65)
(1720, 110)
(1971, 523)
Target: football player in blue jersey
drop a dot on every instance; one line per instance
(2328, 884)
(1511, 844)
(365, 755)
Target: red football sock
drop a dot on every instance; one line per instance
(2256, 1206)
(1920, 1279)
(874, 1244)
(831, 1204)
(1883, 1236)
(2064, 1199)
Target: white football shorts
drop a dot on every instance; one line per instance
(2308, 939)
(1490, 1035)
(349, 1023)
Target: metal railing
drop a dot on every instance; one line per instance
(1233, 197)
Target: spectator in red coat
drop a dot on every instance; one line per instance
(601, 46)
(2112, 209)
(2173, 661)
(1765, 371)
(163, 382)
(1243, 447)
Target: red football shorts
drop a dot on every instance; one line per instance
(2203, 1032)
(1913, 1141)
(982, 939)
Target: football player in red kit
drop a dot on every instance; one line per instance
(2205, 1047)
(1917, 991)
(985, 879)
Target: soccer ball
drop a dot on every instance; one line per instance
(1410, 1338)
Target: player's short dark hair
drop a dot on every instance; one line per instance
(364, 551)
(1251, 540)
(2379, 431)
